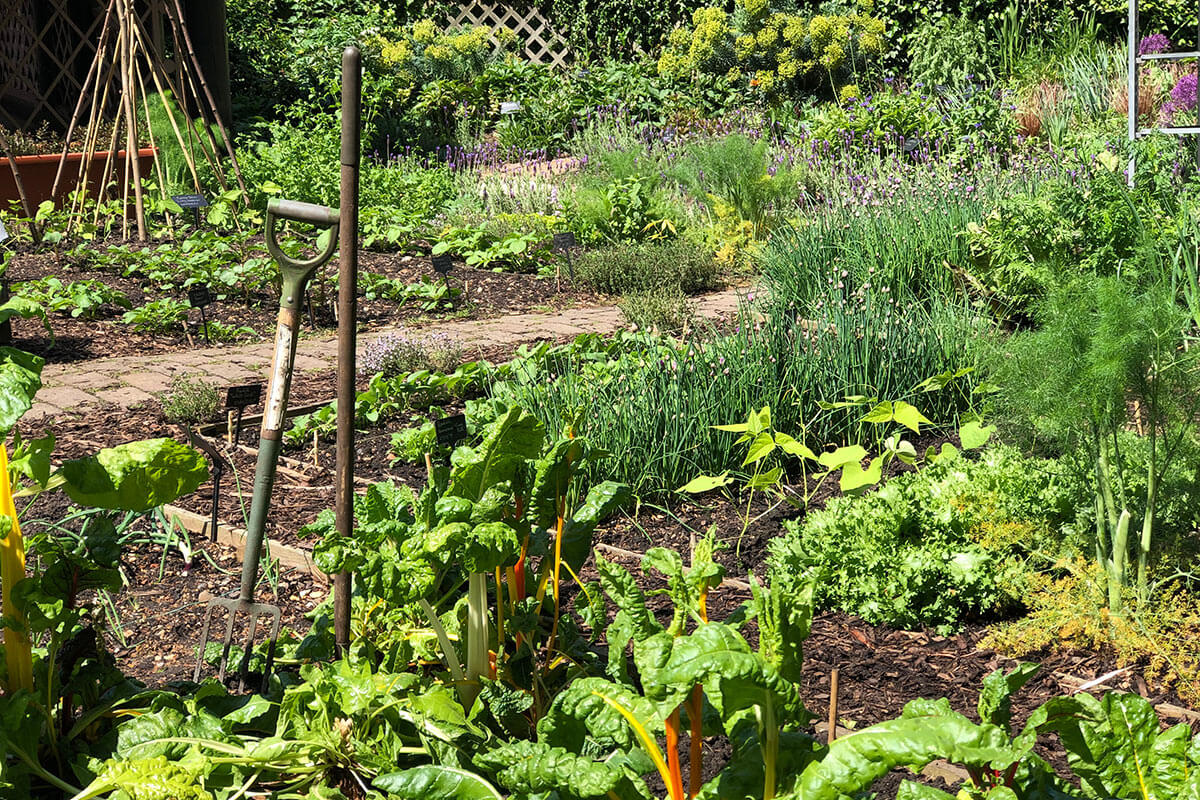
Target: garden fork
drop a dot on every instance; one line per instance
(296, 274)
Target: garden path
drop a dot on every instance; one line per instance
(128, 381)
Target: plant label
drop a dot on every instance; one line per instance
(3, 232)
(564, 241)
(450, 430)
(193, 201)
(239, 397)
(443, 263)
(509, 107)
(200, 296)
(186, 201)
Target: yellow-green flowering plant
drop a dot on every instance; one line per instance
(776, 50)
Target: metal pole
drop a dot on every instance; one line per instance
(347, 320)
(1132, 88)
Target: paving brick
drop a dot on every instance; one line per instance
(91, 379)
(42, 410)
(67, 397)
(126, 396)
(147, 381)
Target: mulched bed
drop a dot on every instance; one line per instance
(485, 294)
(160, 614)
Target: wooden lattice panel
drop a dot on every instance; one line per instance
(46, 48)
(542, 43)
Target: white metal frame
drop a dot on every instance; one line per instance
(1134, 63)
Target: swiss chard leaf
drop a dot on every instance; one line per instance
(20, 378)
(135, 477)
(509, 442)
(436, 782)
(531, 767)
(578, 718)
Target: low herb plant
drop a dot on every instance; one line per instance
(664, 310)
(396, 353)
(625, 269)
(188, 400)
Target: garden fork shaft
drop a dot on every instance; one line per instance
(296, 274)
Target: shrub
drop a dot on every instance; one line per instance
(937, 547)
(737, 177)
(950, 53)
(967, 120)
(777, 53)
(189, 400)
(1094, 226)
(677, 264)
(628, 209)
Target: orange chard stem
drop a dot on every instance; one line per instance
(695, 741)
(675, 789)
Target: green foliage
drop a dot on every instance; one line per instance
(157, 316)
(652, 406)
(967, 120)
(136, 476)
(189, 400)
(411, 444)
(899, 243)
(85, 298)
(426, 295)
(738, 173)
(941, 546)
(950, 53)
(624, 209)
(1102, 346)
(20, 379)
(672, 263)
(1095, 227)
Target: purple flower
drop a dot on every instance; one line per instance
(1154, 43)
(1183, 97)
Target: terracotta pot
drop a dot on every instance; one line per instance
(37, 174)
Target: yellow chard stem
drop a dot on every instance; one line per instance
(18, 651)
(648, 743)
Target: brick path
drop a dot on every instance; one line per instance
(129, 380)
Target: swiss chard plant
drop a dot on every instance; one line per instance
(61, 687)
(505, 520)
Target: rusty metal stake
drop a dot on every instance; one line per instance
(833, 705)
(347, 334)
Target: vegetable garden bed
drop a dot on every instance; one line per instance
(99, 311)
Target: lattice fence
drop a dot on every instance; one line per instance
(46, 48)
(542, 43)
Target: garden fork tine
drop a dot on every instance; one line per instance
(296, 273)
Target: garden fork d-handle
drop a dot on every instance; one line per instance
(294, 269)
(296, 274)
